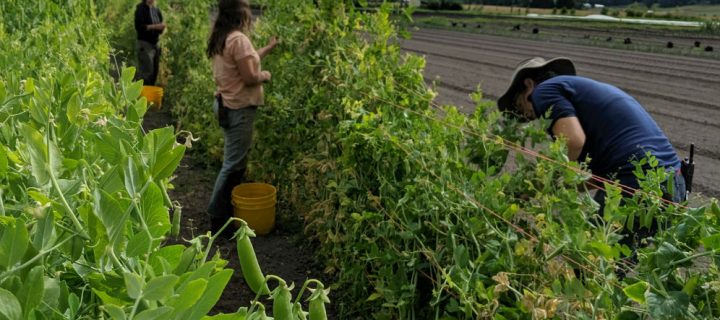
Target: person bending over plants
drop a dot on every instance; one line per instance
(598, 121)
(239, 79)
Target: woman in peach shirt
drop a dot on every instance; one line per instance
(239, 79)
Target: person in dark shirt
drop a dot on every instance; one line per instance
(149, 25)
(599, 122)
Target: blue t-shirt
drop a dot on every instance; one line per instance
(617, 128)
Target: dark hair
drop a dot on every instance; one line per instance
(538, 76)
(233, 15)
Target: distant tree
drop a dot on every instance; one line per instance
(542, 4)
(565, 4)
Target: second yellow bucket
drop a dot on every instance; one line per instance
(255, 203)
(154, 97)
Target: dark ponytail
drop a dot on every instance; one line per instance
(233, 15)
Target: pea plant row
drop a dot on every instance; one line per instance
(414, 208)
(85, 217)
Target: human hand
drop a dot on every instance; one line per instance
(273, 42)
(266, 76)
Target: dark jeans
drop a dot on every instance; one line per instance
(633, 238)
(148, 62)
(238, 139)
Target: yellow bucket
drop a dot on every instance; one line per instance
(154, 97)
(255, 203)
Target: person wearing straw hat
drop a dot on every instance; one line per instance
(599, 122)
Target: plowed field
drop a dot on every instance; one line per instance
(681, 93)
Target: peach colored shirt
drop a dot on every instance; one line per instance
(236, 94)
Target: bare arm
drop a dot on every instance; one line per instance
(570, 128)
(158, 26)
(251, 73)
(264, 51)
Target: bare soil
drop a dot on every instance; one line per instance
(680, 92)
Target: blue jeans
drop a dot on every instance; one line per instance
(238, 139)
(633, 237)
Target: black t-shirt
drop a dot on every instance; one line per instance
(144, 16)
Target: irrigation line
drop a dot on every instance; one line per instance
(519, 148)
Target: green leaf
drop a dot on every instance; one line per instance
(3, 161)
(132, 179)
(3, 93)
(39, 160)
(132, 92)
(690, 285)
(152, 314)
(672, 307)
(636, 291)
(712, 242)
(43, 235)
(108, 146)
(13, 244)
(115, 312)
(171, 254)
(32, 290)
(667, 253)
(187, 297)
(127, 75)
(714, 208)
(604, 250)
(163, 169)
(154, 212)
(9, 306)
(162, 155)
(160, 288)
(73, 108)
(134, 284)
(52, 292)
(140, 106)
(138, 245)
(112, 215)
(212, 294)
(73, 304)
(108, 299)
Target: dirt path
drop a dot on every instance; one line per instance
(680, 92)
(279, 253)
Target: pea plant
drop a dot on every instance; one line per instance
(84, 211)
(422, 212)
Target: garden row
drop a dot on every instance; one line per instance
(85, 219)
(411, 205)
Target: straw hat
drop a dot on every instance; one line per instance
(560, 66)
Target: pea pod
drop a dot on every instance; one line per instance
(282, 303)
(176, 211)
(318, 298)
(188, 256)
(248, 261)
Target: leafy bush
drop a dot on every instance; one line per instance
(414, 211)
(84, 209)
